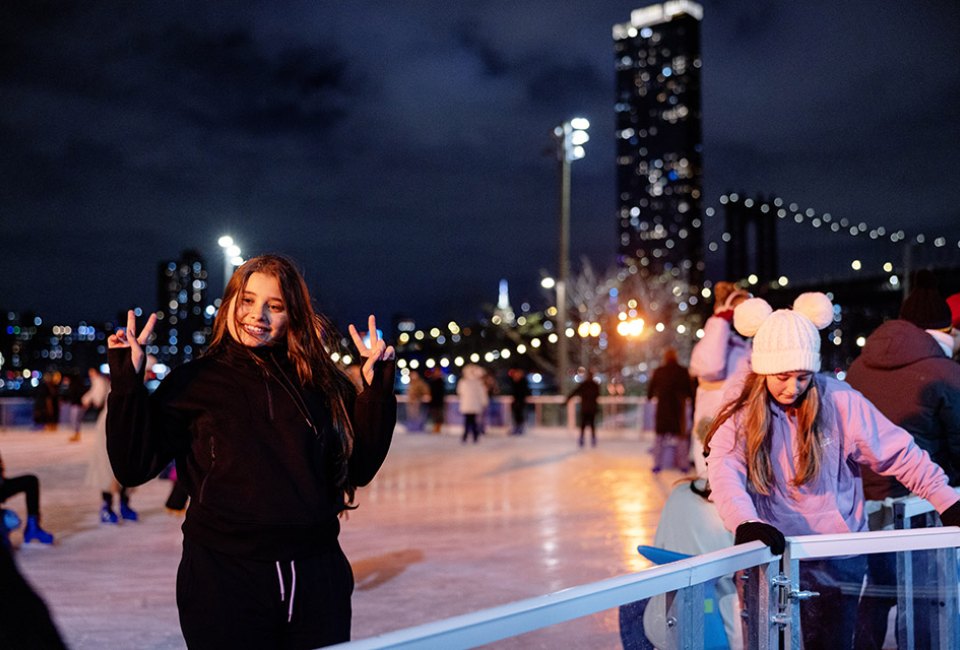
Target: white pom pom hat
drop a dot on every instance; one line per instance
(787, 339)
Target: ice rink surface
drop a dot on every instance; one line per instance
(445, 529)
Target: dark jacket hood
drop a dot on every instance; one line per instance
(898, 343)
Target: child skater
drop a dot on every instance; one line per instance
(271, 439)
(785, 455)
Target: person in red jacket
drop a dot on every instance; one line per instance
(905, 369)
(271, 440)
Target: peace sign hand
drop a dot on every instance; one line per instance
(128, 338)
(378, 350)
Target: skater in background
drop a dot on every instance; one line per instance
(520, 391)
(417, 392)
(718, 362)
(438, 395)
(74, 398)
(46, 402)
(589, 393)
(472, 392)
(99, 472)
(673, 390)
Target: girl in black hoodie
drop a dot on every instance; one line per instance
(271, 440)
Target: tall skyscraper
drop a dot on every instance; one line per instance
(182, 324)
(659, 143)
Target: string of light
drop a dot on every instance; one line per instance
(826, 220)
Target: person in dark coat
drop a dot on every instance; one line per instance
(588, 392)
(271, 440)
(74, 400)
(673, 390)
(438, 395)
(906, 370)
(520, 390)
(46, 402)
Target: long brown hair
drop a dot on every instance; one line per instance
(752, 407)
(310, 338)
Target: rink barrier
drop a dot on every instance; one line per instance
(770, 585)
(619, 412)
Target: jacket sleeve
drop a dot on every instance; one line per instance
(374, 417)
(141, 429)
(708, 359)
(727, 470)
(891, 451)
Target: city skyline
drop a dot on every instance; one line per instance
(397, 152)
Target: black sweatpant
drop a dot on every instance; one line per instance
(231, 602)
(29, 485)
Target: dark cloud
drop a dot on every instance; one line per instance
(397, 149)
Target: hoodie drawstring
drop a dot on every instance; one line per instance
(269, 399)
(280, 580)
(293, 587)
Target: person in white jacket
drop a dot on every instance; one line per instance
(99, 472)
(473, 399)
(719, 361)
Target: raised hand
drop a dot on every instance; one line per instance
(378, 350)
(128, 338)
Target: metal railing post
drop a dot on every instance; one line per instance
(759, 604)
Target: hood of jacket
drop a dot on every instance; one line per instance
(473, 371)
(898, 343)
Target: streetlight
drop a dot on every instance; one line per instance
(231, 258)
(569, 138)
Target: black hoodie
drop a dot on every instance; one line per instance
(906, 374)
(256, 450)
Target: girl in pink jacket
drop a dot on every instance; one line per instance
(785, 456)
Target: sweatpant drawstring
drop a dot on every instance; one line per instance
(293, 587)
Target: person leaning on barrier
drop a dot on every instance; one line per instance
(784, 458)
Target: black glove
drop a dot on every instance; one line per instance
(757, 531)
(951, 516)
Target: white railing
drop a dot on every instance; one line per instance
(686, 578)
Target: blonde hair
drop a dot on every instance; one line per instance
(752, 407)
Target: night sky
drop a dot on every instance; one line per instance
(396, 150)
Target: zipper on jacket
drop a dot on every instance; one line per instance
(294, 394)
(213, 461)
(266, 384)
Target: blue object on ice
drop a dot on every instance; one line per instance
(714, 634)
